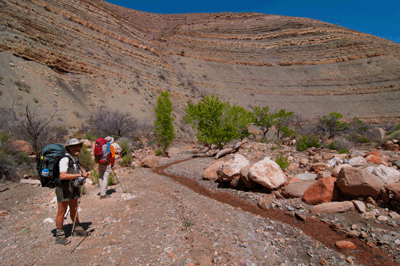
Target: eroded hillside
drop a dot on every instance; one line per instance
(78, 55)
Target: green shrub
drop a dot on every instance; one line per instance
(85, 159)
(342, 151)
(90, 136)
(341, 143)
(112, 180)
(158, 152)
(125, 146)
(273, 148)
(332, 145)
(282, 162)
(308, 141)
(126, 161)
(94, 176)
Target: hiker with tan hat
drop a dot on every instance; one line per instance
(67, 190)
(105, 165)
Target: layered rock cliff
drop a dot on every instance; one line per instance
(77, 55)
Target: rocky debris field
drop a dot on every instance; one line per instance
(172, 216)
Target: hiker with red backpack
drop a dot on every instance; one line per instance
(67, 190)
(104, 155)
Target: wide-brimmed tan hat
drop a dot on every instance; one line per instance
(109, 139)
(73, 142)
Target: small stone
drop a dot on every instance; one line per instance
(300, 216)
(363, 235)
(353, 234)
(397, 242)
(382, 218)
(394, 215)
(345, 244)
(354, 227)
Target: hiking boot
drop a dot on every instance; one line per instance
(79, 231)
(60, 237)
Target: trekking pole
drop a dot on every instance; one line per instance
(123, 190)
(76, 213)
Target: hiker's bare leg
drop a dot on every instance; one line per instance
(73, 206)
(62, 209)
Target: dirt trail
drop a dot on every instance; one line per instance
(315, 228)
(164, 222)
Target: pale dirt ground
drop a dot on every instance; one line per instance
(163, 223)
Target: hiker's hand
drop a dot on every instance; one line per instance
(85, 174)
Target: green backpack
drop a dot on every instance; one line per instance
(48, 164)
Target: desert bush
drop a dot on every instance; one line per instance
(107, 122)
(308, 141)
(34, 126)
(357, 138)
(112, 180)
(341, 143)
(163, 127)
(90, 136)
(125, 145)
(282, 162)
(158, 152)
(8, 165)
(331, 124)
(126, 161)
(94, 176)
(85, 159)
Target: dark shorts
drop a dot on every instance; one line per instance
(66, 191)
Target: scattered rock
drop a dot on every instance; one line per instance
(307, 176)
(211, 172)
(231, 169)
(360, 206)
(345, 244)
(320, 192)
(151, 161)
(267, 173)
(333, 207)
(297, 189)
(358, 183)
(387, 174)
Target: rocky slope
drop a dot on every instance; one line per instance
(78, 55)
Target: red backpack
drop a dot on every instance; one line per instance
(102, 151)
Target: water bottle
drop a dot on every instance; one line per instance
(45, 172)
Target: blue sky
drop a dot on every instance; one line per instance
(379, 18)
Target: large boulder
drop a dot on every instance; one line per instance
(117, 148)
(333, 207)
(267, 173)
(306, 176)
(388, 175)
(151, 161)
(359, 183)
(337, 169)
(229, 170)
(320, 192)
(22, 146)
(244, 175)
(87, 143)
(211, 172)
(297, 189)
(357, 161)
(377, 134)
(394, 189)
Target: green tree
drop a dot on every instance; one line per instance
(283, 119)
(213, 121)
(330, 124)
(263, 118)
(241, 119)
(163, 125)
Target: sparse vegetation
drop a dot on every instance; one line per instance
(126, 161)
(282, 162)
(164, 130)
(85, 159)
(308, 141)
